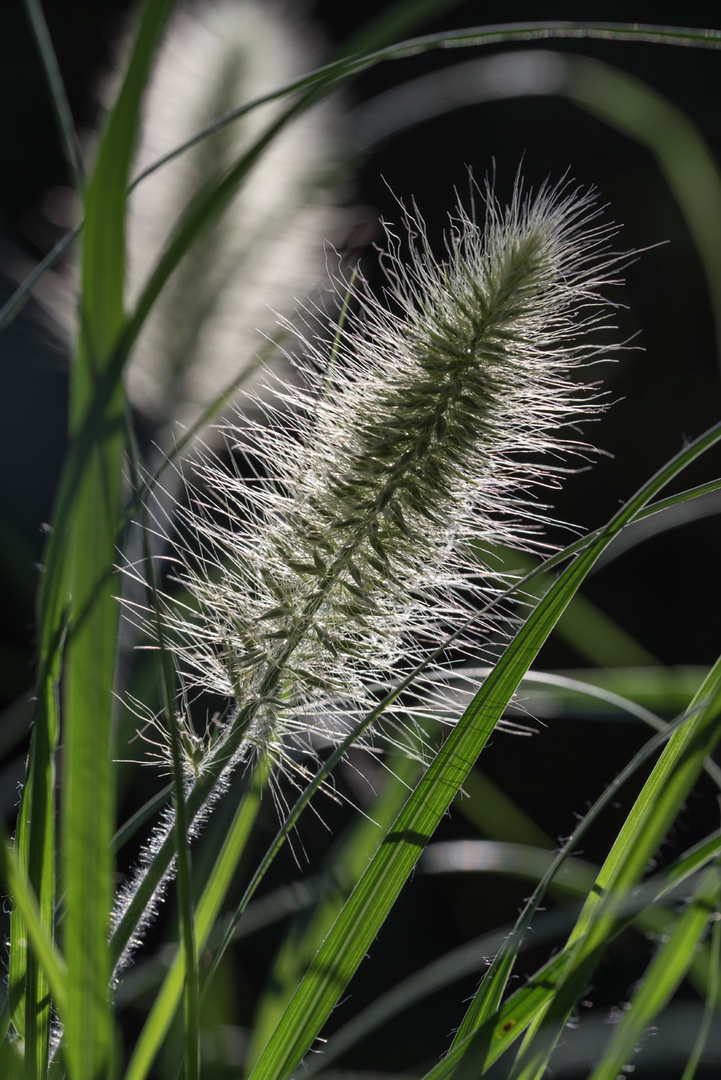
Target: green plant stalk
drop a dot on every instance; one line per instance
(29, 1000)
(53, 964)
(28, 989)
(87, 821)
(191, 1056)
(208, 908)
(344, 866)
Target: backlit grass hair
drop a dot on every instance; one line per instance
(426, 422)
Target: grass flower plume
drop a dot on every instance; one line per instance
(217, 55)
(424, 423)
(269, 246)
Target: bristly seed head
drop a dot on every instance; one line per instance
(422, 424)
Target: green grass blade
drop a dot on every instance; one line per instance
(668, 689)
(140, 817)
(208, 908)
(683, 496)
(35, 846)
(645, 693)
(473, 1056)
(57, 91)
(690, 861)
(539, 30)
(662, 977)
(347, 66)
(500, 858)
(661, 798)
(14, 304)
(488, 996)
(52, 963)
(712, 1002)
(591, 633)
(651, 816)
(487, 999)
(345, 865)
(482, 1048)
(97, 420)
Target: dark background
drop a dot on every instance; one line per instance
(665, 592)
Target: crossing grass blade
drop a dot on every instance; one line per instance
(166, 679)
(350, 64)
(28, 986)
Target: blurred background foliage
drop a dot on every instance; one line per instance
(642, 124)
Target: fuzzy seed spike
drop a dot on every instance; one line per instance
(425, 421)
